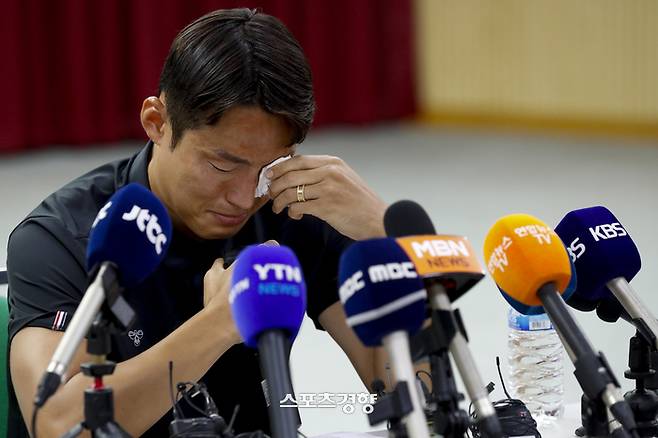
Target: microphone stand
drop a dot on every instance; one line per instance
(651, 382)
(393, 407)
(449, 420)
(643, 399)
(115, 316)
(594, 418)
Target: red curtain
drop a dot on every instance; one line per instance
(76, 71)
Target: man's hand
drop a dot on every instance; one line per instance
(216, 287)
(333, 192)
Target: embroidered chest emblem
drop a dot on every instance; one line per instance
(136, 336)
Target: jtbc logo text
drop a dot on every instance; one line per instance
(147, 223)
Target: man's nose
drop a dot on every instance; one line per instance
(242, 191)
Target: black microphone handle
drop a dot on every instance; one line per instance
(591, 368)
(572, 336)
(273, 353)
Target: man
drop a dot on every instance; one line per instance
(235, 94)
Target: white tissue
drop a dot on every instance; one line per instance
(263, 181)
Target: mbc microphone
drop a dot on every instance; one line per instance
(449, 268)
(606, 259)
(268, 301)
(128, 240)
(528, 260)
(384, 301)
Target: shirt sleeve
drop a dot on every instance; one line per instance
(47, 278)
(322, 286)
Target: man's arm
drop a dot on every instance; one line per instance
(140, 384)
(344, 201)
(370, 363)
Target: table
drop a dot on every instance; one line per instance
(563, 428)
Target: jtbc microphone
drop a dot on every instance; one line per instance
(384, 301)
(449, 268)
(528, 260)
(268, 301)
(128, 240)
(606, 260)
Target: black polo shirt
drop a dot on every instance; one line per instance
(47, 278)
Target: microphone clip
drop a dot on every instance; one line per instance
(393, 407)
(436, 338)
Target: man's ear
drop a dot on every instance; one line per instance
(153, 117)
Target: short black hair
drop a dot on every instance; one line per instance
(233, 57)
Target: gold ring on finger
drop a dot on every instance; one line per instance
(300, 193)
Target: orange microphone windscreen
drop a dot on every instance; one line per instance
(522, 254)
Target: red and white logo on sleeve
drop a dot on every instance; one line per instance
(60, 320)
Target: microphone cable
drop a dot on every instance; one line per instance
(209, 424)
(199, 426)
(34, 421)
(514, 416)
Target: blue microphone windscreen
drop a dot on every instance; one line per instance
(601, 248)
(133, 231)
(536, 310)
(267, 292)
(380, 290)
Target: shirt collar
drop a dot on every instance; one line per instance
(138, 167)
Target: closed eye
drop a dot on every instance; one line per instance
(219, 169)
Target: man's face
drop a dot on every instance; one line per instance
(208, 181)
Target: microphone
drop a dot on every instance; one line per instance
(268, 301)
(449, 268)
(527, 259)
(384, 301)
(128, 240)
(447, 258)
(537, 310)
(606, 259)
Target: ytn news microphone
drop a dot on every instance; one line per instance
(449, 268)
(528, 261)
(384, 301)
(606, 259)
(268, 301)
(128, 240)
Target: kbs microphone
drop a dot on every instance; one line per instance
(268, 301)
(606, 259)
(128, 240)
(384, 301)
(449, 268)
(528, 260)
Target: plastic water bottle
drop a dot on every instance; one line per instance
(535, 365)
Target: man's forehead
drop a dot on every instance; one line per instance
(257, 159)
